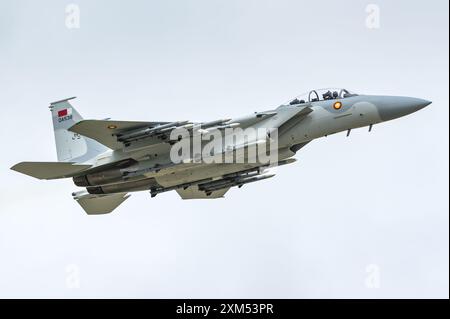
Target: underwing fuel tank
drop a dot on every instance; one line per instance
(131, 186)
(127, 171)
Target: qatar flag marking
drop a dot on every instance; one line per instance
(64, 114)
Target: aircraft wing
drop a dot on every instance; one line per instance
(130, 135)
(193, 192)
(106, 131)
(126, 135)
(218, 188)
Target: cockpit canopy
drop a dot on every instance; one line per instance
(321, 95)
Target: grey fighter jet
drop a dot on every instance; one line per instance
(111, 159)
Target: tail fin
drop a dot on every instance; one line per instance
(71, 147)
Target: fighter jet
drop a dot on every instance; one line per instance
(111, 159)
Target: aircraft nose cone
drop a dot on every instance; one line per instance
(417, 104)
(392, 107)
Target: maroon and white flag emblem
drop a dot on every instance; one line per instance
(64, 112)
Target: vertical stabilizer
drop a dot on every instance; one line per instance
(71, 147)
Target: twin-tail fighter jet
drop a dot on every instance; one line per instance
(111, 159)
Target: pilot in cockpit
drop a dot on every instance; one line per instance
(296, 101)
(330, 95)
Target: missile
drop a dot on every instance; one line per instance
(157, 190)
(227, 180)
(213, 123)
(251, 180)
(148, 131)
(163, 126)
(79, 194)
(202, 127)
(242, 173)
(133, 133)
(213, 184)
(239, 182)
(220, 127)
(231, 125)
(245, 145)
(173, 127)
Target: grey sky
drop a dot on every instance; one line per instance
(312, 231)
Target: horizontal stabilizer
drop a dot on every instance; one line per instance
(105, 131)
(49, 170)
(100, 204)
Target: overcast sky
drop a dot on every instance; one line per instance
(364, 216)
